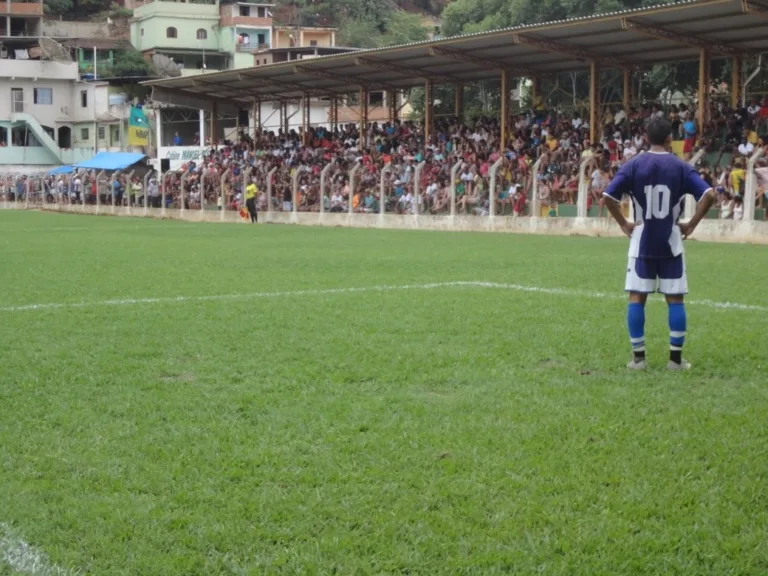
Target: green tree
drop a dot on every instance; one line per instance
(58, 7)
(404, 28)
(127, 63)
(359, 34)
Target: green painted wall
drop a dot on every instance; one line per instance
(156, 17)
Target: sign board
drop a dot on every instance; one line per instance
(180, 155)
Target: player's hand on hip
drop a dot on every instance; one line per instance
(628, 228)
(686, 229)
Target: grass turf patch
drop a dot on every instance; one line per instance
(441, 431)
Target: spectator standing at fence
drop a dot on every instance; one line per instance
(287, 199)
(177, 141)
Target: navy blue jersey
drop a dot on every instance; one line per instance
(657, 183)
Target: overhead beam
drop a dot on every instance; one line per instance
(346, 78)
(484, 62)
(179, 97)
(408, 71)
(298, 86)
(248, 94)
(679, 37)
(263, 83)
(570, 50)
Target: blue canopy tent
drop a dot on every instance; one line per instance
(61, 170)
(111, 161)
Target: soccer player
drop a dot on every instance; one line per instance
(657, 181)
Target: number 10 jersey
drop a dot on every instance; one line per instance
(657, 183)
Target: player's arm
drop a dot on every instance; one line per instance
(620, 185)
(704, 195)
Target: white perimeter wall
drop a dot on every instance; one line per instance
(709, 230)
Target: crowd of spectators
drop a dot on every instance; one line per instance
(559, 139)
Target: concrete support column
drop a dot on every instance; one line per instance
(363, 117)
(282, 122)
(158, 132)
(214, 124)
(703, 111)
(286, 120)
(536, 90)
(504, 110)
(627, 93)
(458, 101)
(201, 127)
(737, 66)
(256, 117)
(334, 113)
(305, 119)
(429, 110)
(392, 105)
(594, 100)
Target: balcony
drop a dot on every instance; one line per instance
(248, 48)
(22, 8)
(252, 21)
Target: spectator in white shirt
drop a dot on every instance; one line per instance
(746, 148)
(629, 150)
(337, 202)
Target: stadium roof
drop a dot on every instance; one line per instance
(634, 39)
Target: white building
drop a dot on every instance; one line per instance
(47, 116)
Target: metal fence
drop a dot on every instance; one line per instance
(337, 188)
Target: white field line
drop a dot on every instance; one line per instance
(23, 558)
(431, 286)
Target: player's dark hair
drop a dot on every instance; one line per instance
(658, 131)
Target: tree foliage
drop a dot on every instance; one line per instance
(127, 63)
(403, 28)
(58, 7)
(359, 34)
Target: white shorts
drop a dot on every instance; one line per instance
(667, 276)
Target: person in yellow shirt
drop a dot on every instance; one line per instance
(250, 201)
(738, 176)
(552, 142)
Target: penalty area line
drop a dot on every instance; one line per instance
(24, 558)
(383, 288)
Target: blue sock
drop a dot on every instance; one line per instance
(677, 326)
(636, 325)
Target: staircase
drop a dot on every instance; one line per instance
(37, 129)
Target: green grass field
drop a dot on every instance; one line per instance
(291, 428)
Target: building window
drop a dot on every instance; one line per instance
(170, 32)
(313, 42)
(202, 34)
(262, 39)
(43, 96)
(245, 10)
(102, 133)
(85, 134)
(84, 98)
(142, 31)
(261, 12)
